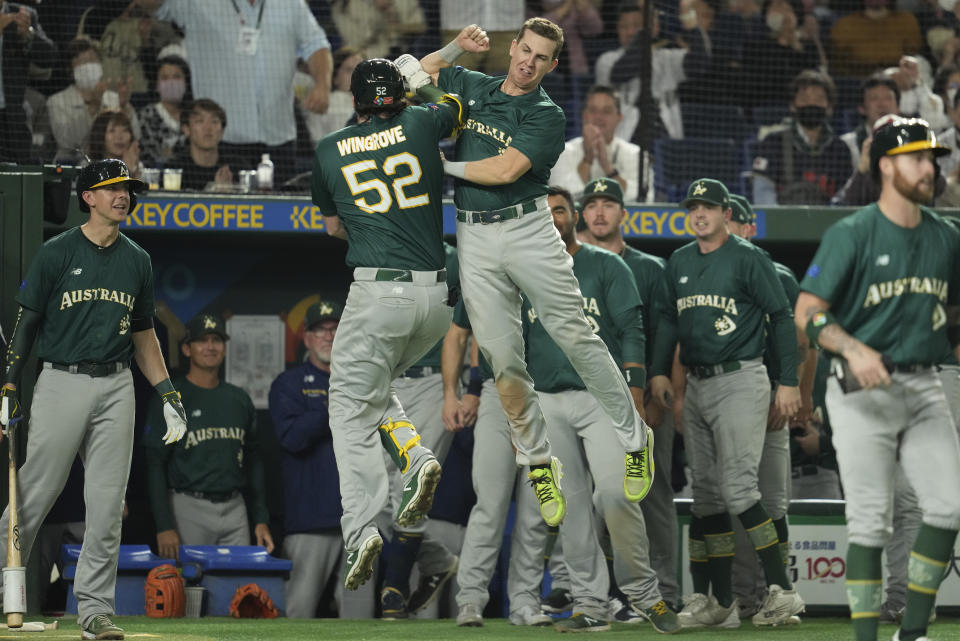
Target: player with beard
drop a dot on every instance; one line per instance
(881, 296)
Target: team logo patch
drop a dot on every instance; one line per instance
(819, 319)
(124, 325)
(683, 279)
(23, 284)
(196, 413)
(600, 186)
(939, 318)
(209, 323)
(433, 106)
(308, 378)
(383, 100)
(883, 260)
(76, 271)
(724, 325)
(699, 189)
(813, 271)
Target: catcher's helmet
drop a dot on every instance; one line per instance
(101, 173)
(376, 83)
(895, 135)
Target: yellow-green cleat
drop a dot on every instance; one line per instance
(546, 485)
(638, 478)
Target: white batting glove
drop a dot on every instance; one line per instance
(175, 417)
(412, 72)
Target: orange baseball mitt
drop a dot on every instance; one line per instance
(252, 602)
(164, 593)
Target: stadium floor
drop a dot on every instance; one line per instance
(226, 629)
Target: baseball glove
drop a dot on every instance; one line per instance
(252, 602)
(164, 593)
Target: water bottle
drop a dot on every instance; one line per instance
(265, 173)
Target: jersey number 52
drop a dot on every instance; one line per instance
(351, 174)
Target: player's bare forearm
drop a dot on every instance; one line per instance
(334, 227)
(832, 337)
(451, 358)
(471, 38)
(806, 384)
(149, 357)
(502, 169)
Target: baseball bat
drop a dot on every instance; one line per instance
(14, 575)
(35, 626)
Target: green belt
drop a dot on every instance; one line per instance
(405, 275)
(708, 371)
(497, 215)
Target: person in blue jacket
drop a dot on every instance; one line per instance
(311, 486)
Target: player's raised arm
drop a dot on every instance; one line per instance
(471, 39)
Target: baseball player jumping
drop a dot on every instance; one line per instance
(378, 184)
(87, 305)
(507, 244)
(881, 295)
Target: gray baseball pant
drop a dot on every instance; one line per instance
(582, 434)
(385, 328)
(202, 522)
(867, 426)
(316, 557)
(495, 476)
(497, 262)
(907, 515)
(660, 514)
(725, 419)
(773, 479)
(71, 414)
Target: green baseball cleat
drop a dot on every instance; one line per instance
(101, 627)
(580, 622)
(418, 491)
(638, 478)
(546, 485)
(661, 617)
(360, 562)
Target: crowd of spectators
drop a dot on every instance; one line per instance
(773, 90)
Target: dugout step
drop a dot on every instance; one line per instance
(133, 565)
(224, 568)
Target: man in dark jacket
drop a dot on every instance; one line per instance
(311, 486)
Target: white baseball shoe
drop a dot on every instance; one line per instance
(896, 637)
(714, 615)
(530, 616)
(470, 616)
(690, 605)
(780, 607)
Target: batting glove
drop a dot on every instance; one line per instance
(412, 72)
(10, 413)
(175, 417)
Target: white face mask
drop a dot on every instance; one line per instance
(947, 5)
(951, 96)
(87, 75)
(775, 22)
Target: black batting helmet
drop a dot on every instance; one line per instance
(376, 83)
(101, 173)
(895, 135)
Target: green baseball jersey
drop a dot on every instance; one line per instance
(462, 319)
(648, 274)
(613, 309)
(434, 356)
(91, 298)
(889, 286)
(716, 305)
(218, 455)
(792, 289)
(532, 124)
(384, 179)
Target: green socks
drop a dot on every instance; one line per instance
(718, 537)
(864, 590)
(928, 562)
(763, 534)
(698, 557)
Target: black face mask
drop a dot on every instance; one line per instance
(811, 116)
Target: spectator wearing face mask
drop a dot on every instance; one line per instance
(160, 121)
(73, 110)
